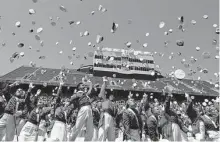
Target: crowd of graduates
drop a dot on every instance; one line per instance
(92, 114)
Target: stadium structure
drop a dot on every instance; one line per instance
(127, 71)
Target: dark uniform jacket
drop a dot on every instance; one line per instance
(130, 122)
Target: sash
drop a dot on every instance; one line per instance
(135, 116)
(210, 120)
(86, 95)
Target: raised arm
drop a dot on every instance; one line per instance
(7, 89)
(28, 93)
(75, 96)
(88, 93)
(190, 111)
(102, 91)
(167, 104)
(60, 89)
(169, 90)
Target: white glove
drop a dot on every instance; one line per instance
(31, 86)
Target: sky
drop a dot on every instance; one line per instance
(134, 17)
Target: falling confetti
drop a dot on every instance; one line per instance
(42, 43)
(20, 45)
(89, 44)
(40, 30)
(69, 57)
(166, 33)
(71, 41)
(129, 21)
(86, 33)
(114, 27)
(104, 9)
(181, 19)
(31, 30)
(53, 23)
(18, 24)
(205, 16)
(205, 71)
(161, 25)
(71, 22)
(179, 53)
(42, 57)
(31, 11)
(35, 1)
(206, 55)
(93, 12)
(22, 54)
(217, 57)
(186, 65)
(74, 48)
(152, 73)
(99, 39)
(180, 42)
(215, 25)
(32, 64)
(78, 22)
(193, 60)
(197, 48)
(71, 63)
(90, 54)
(128, 44)
(37, 37)
(45, 84)
(61, 52)
(81, 34)
(217, 31)
(145, 45)
(214, 42)
(14, 55)
(147, 34)
(199, 68)
(62, 8)
(170, 30)
(183, 61)
(170, 57)
(100, 7)
(180, 74)
(193, 22)
(3, 44)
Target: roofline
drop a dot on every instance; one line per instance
(12, 71)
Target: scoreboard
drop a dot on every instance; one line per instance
(123, 61)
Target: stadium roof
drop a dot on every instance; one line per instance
(73, 77)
